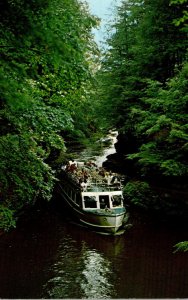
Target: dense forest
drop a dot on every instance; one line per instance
(48, 59)
(56, 86)
(143, 91)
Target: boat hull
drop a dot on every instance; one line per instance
(103, 220)
(109, 224)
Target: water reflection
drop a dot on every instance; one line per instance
(50, 258)
(79, 272)
(97, 281)
(65, 269)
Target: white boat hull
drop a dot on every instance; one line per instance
(104, 222)
(101, 220)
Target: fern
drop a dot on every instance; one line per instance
(182, 246)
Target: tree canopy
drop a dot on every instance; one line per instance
(143, 89)
(47, 52)
(49, 93)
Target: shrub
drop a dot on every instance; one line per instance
(7, 220)
(140, 194)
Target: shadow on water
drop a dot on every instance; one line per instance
(139, 264)
(49, 257)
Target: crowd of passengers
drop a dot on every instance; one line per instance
(88, 173)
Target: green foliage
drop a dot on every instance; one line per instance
(24, 174)
(6, 218)
(181, 21)
(46, 75)
(145, 45)
(164, 128)
(182, 246)
(140, 194)
(143, 93)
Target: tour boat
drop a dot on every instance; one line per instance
(94, 195)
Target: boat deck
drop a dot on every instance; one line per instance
(100, 187)
(88, 177)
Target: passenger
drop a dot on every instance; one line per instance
(64, 167)
(84, 173)
(109, 177)
(72, 168)
(67, 167)
(79, 173)
(116, 182)
(116, 202)
(93, 175)
(70, 162)
(102, 172)
(102, 203)
(73, 162)
(88, 180)
(89, 164)
(84, 185)
(94, 164)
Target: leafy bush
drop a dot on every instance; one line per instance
(182, 246)
(44, 77)
(7, 220)
(139, 194)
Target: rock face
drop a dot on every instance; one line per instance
(118, 162)
(126, 144)
(172, 192)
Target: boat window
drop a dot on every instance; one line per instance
(78, 200)
(104, 201)
(90, 202)
(116, 200)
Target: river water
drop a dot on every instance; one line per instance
(48, 256)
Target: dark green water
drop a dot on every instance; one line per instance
(48, 257)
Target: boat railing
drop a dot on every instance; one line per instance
(101, 186)
(94, 184)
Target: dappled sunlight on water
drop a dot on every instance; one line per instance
(97, 273)
(49, 257)
(79, 272)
